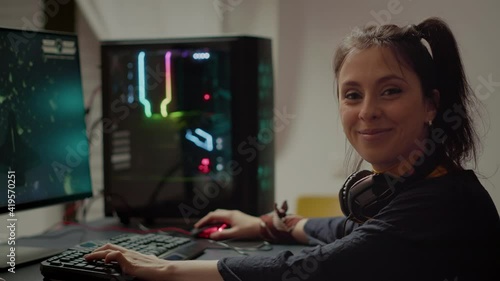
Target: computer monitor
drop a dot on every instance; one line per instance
(44, 152)
(187, 127)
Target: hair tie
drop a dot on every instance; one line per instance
(427, 46)
(420, 35)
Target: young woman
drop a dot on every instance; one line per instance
(419, 215)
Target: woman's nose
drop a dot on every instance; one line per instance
(370, 109)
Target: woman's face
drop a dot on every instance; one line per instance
(383, 111)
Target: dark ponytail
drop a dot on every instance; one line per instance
(456, 95)
(438, 67)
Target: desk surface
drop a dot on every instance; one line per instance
(73, 235)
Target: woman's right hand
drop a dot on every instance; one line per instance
(243, 226)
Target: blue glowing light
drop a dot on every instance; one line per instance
(201, 56)
(142, 84)
(207, 144)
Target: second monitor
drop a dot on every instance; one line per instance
(187, 127)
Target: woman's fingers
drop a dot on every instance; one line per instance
(242, 225)
(144, 267)
(103, 252)
(115, 256)
(219, 215)
(224, 234)
(98, 255)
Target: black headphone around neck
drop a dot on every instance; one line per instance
(365, 193)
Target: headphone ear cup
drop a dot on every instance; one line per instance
(364, 193)
(344, 193)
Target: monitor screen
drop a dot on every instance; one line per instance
(44, 155)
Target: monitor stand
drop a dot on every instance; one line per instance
(23, 255)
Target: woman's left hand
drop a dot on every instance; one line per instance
(145, 267)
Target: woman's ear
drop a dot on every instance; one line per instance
(433, 105)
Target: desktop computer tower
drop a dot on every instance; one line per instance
(187, 127)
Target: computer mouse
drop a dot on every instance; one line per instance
(205, 231)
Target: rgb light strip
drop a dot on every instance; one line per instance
(142, 84)
(168, 85)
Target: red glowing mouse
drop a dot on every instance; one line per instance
(205, 231)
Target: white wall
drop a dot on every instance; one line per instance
(310, 151)
(119, 19)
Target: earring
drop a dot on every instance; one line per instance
(430, 123)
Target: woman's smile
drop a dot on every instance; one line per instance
(375, 134)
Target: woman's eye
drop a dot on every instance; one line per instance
(352, 96)
(392, 91)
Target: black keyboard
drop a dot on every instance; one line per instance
(70, 264)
